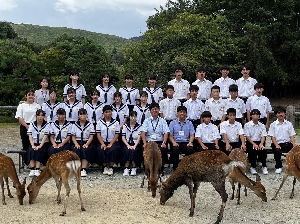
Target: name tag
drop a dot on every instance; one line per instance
(153, 137)
(181, 133)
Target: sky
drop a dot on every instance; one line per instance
(124, 18)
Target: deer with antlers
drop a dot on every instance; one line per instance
(61, 166)
(7, 169)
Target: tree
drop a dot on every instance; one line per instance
(7, 31)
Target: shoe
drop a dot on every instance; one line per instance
(110, 172)
(171, 165)
(166, 165)
(126, 172)
(32, 173)
(83, 173)
(253, 170)
(265, 170)
(105, 172)
(37, 173)
(133, 172)
(278, 170)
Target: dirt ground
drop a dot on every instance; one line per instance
(119, 199)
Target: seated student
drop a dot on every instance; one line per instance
(131, 136)
(51, 106)
(108, 130)
(282, 134)
(142, 109)
(60, 133)
(256, 133)
(207, 134)
(232, 132)
(82, 137)
(182, 134)
(38, 132)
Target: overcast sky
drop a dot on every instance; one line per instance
(124, 18)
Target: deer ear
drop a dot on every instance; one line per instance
(258, 178)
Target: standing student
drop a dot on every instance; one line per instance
(120, 111)
(94, 108)
(224, 82)
(155, 93)
(38, 132)
(42, 95)
(51, 106)
(142, 109)
(130, 94)
(203, 84)
(72, 106)
(282, 135)
(80, 92)
(82, 137)
(106, 90)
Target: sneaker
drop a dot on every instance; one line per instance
(166, 165)
(110, 172)
(278, 170)
(133, 172)
(265, 170)
(32, 173)
(37, 173)
(126, 172)
(105, 172)
(253, 170)
(83, 173)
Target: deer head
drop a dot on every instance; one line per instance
(165, 193)
(20, 188)
(33, 189)
(258, 188)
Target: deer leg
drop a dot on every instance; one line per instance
(142, 184)
(195, 189)
(79, 191)
(233, 189)
(68, 189)
(189, 183)
(239, 194)
(2, 187)
(292, 193)
(220, 188)
(283, 180)
(58, 185)
(7, 186)
(245, 190)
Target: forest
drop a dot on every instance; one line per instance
(191, 33)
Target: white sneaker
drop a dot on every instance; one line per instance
(265, 170)
(32, 173)
(253, 170)
(133, 172)
(278, 171)
(110, 172)
(37, 173)
(166, 165)
(105, 172)
(83, 173)
(126, 172)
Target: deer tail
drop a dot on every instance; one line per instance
(74, 165)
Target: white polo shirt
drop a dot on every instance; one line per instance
(282, 132)
(204, 89)
(181, 88)
(233, 131)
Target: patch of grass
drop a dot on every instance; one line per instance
(9, 125)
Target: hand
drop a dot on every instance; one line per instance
(55, 146)
(243, 147)
(228, 147)
(163, 145)
(77, 146)
(190, 144)
(261, 147)
(175, 144)
(255, 146)
(85, 146)
(204, 147)
(217, 147)
(103, 146)
(109, 146)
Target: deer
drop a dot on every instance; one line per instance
(292, 168)
(207, 166)
(153, 164)
(61, 166)
(8, 169)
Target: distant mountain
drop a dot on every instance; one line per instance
(43, 35)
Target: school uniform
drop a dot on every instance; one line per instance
(129, 96)
(82, 135)
(239, 106)
(216, 108)
(95, 112)
(261, 103)
(181, 89)
(107, 130)
(50, 110)
(72, 110)
(120, 113)
(79, 90)
(168, 107)
(246, 87)
(154, 94)
(224, 86)
(142, 113)
(41, 96)
(194, 110)
(60, 133)
(208, 133)
(38, 133)
(282, 132)
(106, 94)
(204, 89)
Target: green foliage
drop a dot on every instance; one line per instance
(6, 31)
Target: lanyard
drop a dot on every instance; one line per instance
(154, 129)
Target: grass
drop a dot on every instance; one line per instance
(9, 125)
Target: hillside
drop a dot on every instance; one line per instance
(43, 35)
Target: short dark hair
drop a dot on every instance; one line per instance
(233, 88)
(201, 69)
(153, 105)
(82, 111)
(144, 93)
(206, 114)
(180, 108)
(259, 85)
(279, 109)
(61, 111)
(255, 111)
(52, 91)
(74, 72)
(152, 77)
(245, 66)
(71, 90)
(231, 111)
(178, 67)
(194, 87)
(117, 94)
(132, 113)
(40, 111)
(107, 107)
(95, 91)
(169, 87)
(215, 87)
(225, 67)
(129, 76)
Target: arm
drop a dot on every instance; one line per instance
(242, 137)
(53, 142)
(172, 140)
(255, 146)
(89, 141)
(201, 143)
(76, 145)
(101, 141)
(293, 140)
(136, 143)
(228, 146)
(113, 141)
(164, 144)
(275, 142)
(43, 142)
(31, 142)
(268, 120)
(143, 135)
(248, 115)
(22, 122)
(192, 137)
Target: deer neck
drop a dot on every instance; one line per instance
(14, 177)
(244, 180)
(176, 180)
(45, 175)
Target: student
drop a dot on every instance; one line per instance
(155, 93)
(94, 108)
(260, 102)
(235, 102)
(51, 106)
(232, 132)
(207, 134)
(224, 82)
(38, 132)
(181, 86)
(131, 136)
(106, 90)
(182, 134)
(216, 106)
(42, 95)
(120, 111)
(142, 109)
(256, 133)
(79, 89)
(26, 114)
(82, 137)
(203, 84)
(282, 135)
(108, 131)
(72, 106)
(130, 94)
(60, 133)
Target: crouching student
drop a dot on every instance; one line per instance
(38, 132)
(108, 131)
(256, 133)
(131, 136)
(82, 136)
(282, 134)
(232, 132)
(207, 134)
(60, 133)
(182, 134)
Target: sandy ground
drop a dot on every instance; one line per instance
(119, 199)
